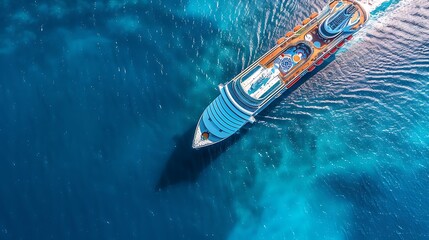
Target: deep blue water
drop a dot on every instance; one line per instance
(99, 100)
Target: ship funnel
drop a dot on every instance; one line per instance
(336, 24)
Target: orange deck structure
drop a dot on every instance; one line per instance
(311, 25)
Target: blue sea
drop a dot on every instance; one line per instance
(99, 100)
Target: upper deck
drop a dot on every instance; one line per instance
(295, 54)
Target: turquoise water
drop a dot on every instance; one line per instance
(99, 100)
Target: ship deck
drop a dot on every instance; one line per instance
(309, 34)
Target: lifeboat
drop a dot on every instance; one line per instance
(311, 68)
(340, 44)
(349, 38)
(318, 63)
(305, 21)
(326, 56)
(282, 39)
(296, 28)
(313, 15)
(293, 82)
(289, 34)
(334, 50)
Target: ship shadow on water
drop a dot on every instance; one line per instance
(185, 164)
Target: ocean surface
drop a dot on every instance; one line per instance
(99, 101)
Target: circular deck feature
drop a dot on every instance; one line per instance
(205, 135)
(286, 64)
(296, 58)
(317, 44)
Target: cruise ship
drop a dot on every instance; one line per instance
(300, 51)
